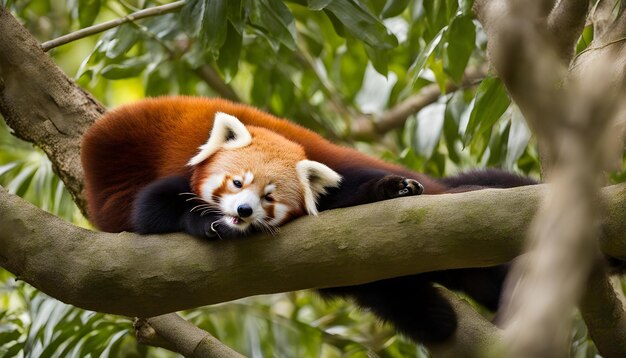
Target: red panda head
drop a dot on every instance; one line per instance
(250, 177)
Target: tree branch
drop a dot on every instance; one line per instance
(92, 30)
(366, 127)
(213, 79)
(474, 336)
(570, 113)
(566, 23)
(172, 332)
(135, 275)
(41, 104)
(603, 313)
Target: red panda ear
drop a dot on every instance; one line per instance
(315, 178)
(228, 133)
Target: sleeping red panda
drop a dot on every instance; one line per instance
(213, 168)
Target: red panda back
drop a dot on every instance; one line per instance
(133, 145)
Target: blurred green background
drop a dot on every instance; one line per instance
(334, 66)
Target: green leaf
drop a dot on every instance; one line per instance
(465, 6)
(228, 60)
(491, 102)
(276, 18)
(125, 37)
(129, 68)
(429, 128)
(461, 37)
(88, 11)
(585, 39)
(362, 24)
(7, 167)
(379, 58)
(519, 136)
(189, 18)
(420, 61)
(317, 5)
(394, 8)
(452, 120)
(213, 25)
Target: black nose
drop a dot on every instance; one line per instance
(244, 210)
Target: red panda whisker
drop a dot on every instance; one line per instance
(213, 228)
(197, 207)
(210, 211)
(266, 227)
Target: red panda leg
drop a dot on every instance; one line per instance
(167, 205)
(411, 304)
(366, 185)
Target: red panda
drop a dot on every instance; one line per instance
(213, 168)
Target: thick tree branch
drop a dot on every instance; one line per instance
(566, 22)
(474, 337)
(135, 275)
(603, 313)
(571, 114)
(41, 104)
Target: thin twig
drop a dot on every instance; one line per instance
(91, 30)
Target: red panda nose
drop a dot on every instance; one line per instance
(244, 210)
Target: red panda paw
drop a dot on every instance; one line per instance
(395, 186)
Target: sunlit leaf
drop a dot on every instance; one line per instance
(461, 36)
(228, 60)
(491, 102)
(213, 25)
(394, 8)
(125, 37)
(362, 24)
(429, 127)
(275, 17)
(128, 68)
(420, 61)
(88, 11)
(317, 4)
(518, 137)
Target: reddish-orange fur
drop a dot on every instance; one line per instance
(158, 137)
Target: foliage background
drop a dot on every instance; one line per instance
(325, 64)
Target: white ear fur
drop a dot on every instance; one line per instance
(315, 177)
(228, 133)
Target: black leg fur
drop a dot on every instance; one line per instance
(411, 303)
(162, 207)
(365, 185)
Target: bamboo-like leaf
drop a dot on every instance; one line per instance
(418, 66)
(491, 102)
(362, 24)
(461, 36)
(88, 11)
(275, 17)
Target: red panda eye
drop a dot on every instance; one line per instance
(269, 197)
(237, 183)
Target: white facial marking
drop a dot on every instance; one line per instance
(210, 184)
(269, 189)
(231, 183)
(230, 203)
(280, 214)
(248, 178)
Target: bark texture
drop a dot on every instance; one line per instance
(144, 276)
(41, 104)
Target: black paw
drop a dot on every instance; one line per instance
(395, 186)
